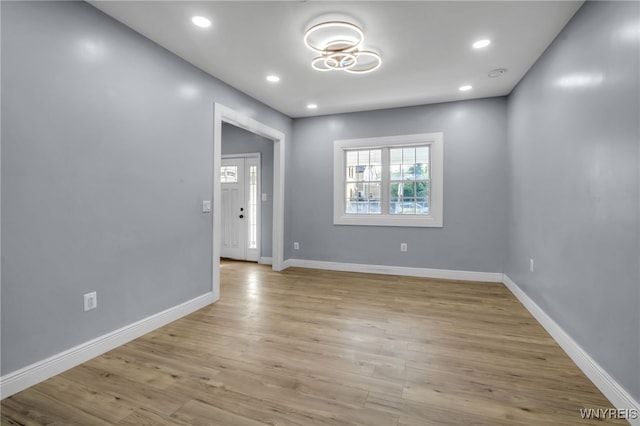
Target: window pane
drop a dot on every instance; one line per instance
(363, 183)
(395, 156)
(394, 188)
(253, 207)
(362, 207)
(395, 172)
(363, 157)
(409, 180)
(352, 162)
(352, 158)
(408, 206)
(422, 205)
(422, 171)
(408, 172)
(229, 174)
(376, 157)
(422, 155)
(422, 189)
(363, 198)
(408, 190)
(408, 155)
(393, 205)
(371, 190)
(407, 203)
(376, 173)
(364, 165)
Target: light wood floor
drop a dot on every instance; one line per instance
(307, 347)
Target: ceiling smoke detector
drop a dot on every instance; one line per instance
(497, 72)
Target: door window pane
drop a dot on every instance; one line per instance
(253, 207)
(229, 174)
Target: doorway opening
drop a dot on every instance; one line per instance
(240, 179)
(223, 115)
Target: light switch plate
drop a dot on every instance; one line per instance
(206, 206)
(264, 197)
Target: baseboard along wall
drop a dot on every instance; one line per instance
(35, 373)
(396, 270)
(611, 389)
(21, 379)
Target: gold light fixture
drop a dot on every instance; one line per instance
(339, 45)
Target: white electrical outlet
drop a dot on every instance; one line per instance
(403, 247)
(530, 265)
(90, 301)
(296, 245)
(264, 197)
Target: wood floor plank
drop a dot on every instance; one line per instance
(198, 413)
(142, 417)
(250, 407)
(85, 397)
(310, 348)
(128, 390)
(40, 408)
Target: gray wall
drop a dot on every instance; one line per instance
(574, 184)
(473, 237)
(239, 141)
(107, 152)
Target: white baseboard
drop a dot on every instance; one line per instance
(616, 394)
(612, 390)
(30, 375)
(266, 261)
(396, 270)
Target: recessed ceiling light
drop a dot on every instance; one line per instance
(481, 43)
(312, 106)
(201, 21)
(465, 88)
(273, 78)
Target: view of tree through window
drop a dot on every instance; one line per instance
(409, 180)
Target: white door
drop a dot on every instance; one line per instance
(239, 179)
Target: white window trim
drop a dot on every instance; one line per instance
(432, 220)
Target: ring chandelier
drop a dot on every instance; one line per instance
(339, 44)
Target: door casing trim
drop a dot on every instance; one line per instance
(224, 114)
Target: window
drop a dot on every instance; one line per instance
(253, 207)
(389, 181)
(229, 174)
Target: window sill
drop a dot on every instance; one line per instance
(389, 220)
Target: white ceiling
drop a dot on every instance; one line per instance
(425, 47)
